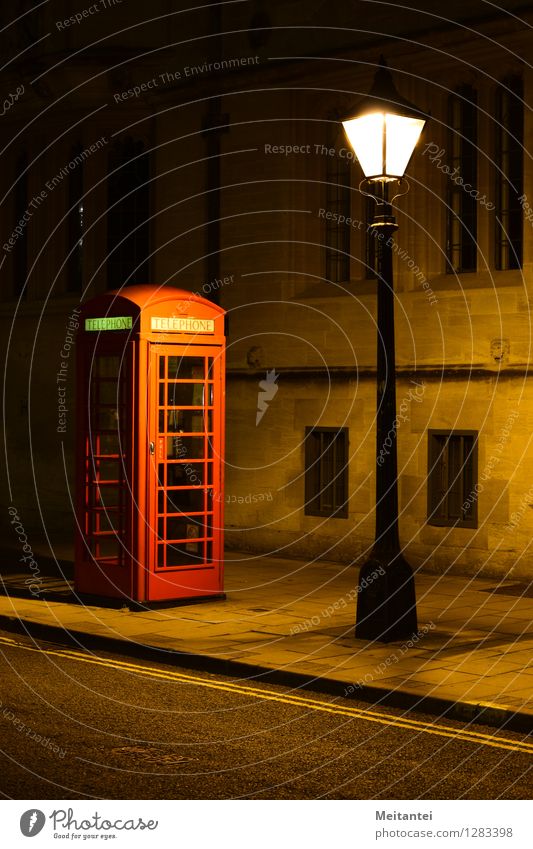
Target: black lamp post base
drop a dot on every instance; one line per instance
(386, 601)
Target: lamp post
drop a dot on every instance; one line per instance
(383, 130)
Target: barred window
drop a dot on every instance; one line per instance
(452, 478)
(76, 223)
(338, 202)
(128, 214)
(20, 209)
(509, 167)
(326, 472)
(461, 212)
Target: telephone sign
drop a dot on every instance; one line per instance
(184, 324)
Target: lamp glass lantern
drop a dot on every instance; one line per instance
(383, 129)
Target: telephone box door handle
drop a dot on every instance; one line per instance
(152, 448)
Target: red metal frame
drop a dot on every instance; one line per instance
(184, 475)
(149, 502)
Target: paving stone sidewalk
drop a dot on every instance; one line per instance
(474, 649)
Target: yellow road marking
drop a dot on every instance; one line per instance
(380, 718)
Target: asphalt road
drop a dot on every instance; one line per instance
(80, 725)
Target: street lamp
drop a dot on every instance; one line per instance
(383, 130)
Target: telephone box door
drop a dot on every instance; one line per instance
(185, 470)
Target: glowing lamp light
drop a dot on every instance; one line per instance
(383, 129)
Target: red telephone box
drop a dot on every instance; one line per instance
(149, 500)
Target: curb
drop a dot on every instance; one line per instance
(498, 716)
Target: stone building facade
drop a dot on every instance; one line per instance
(166, 153)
